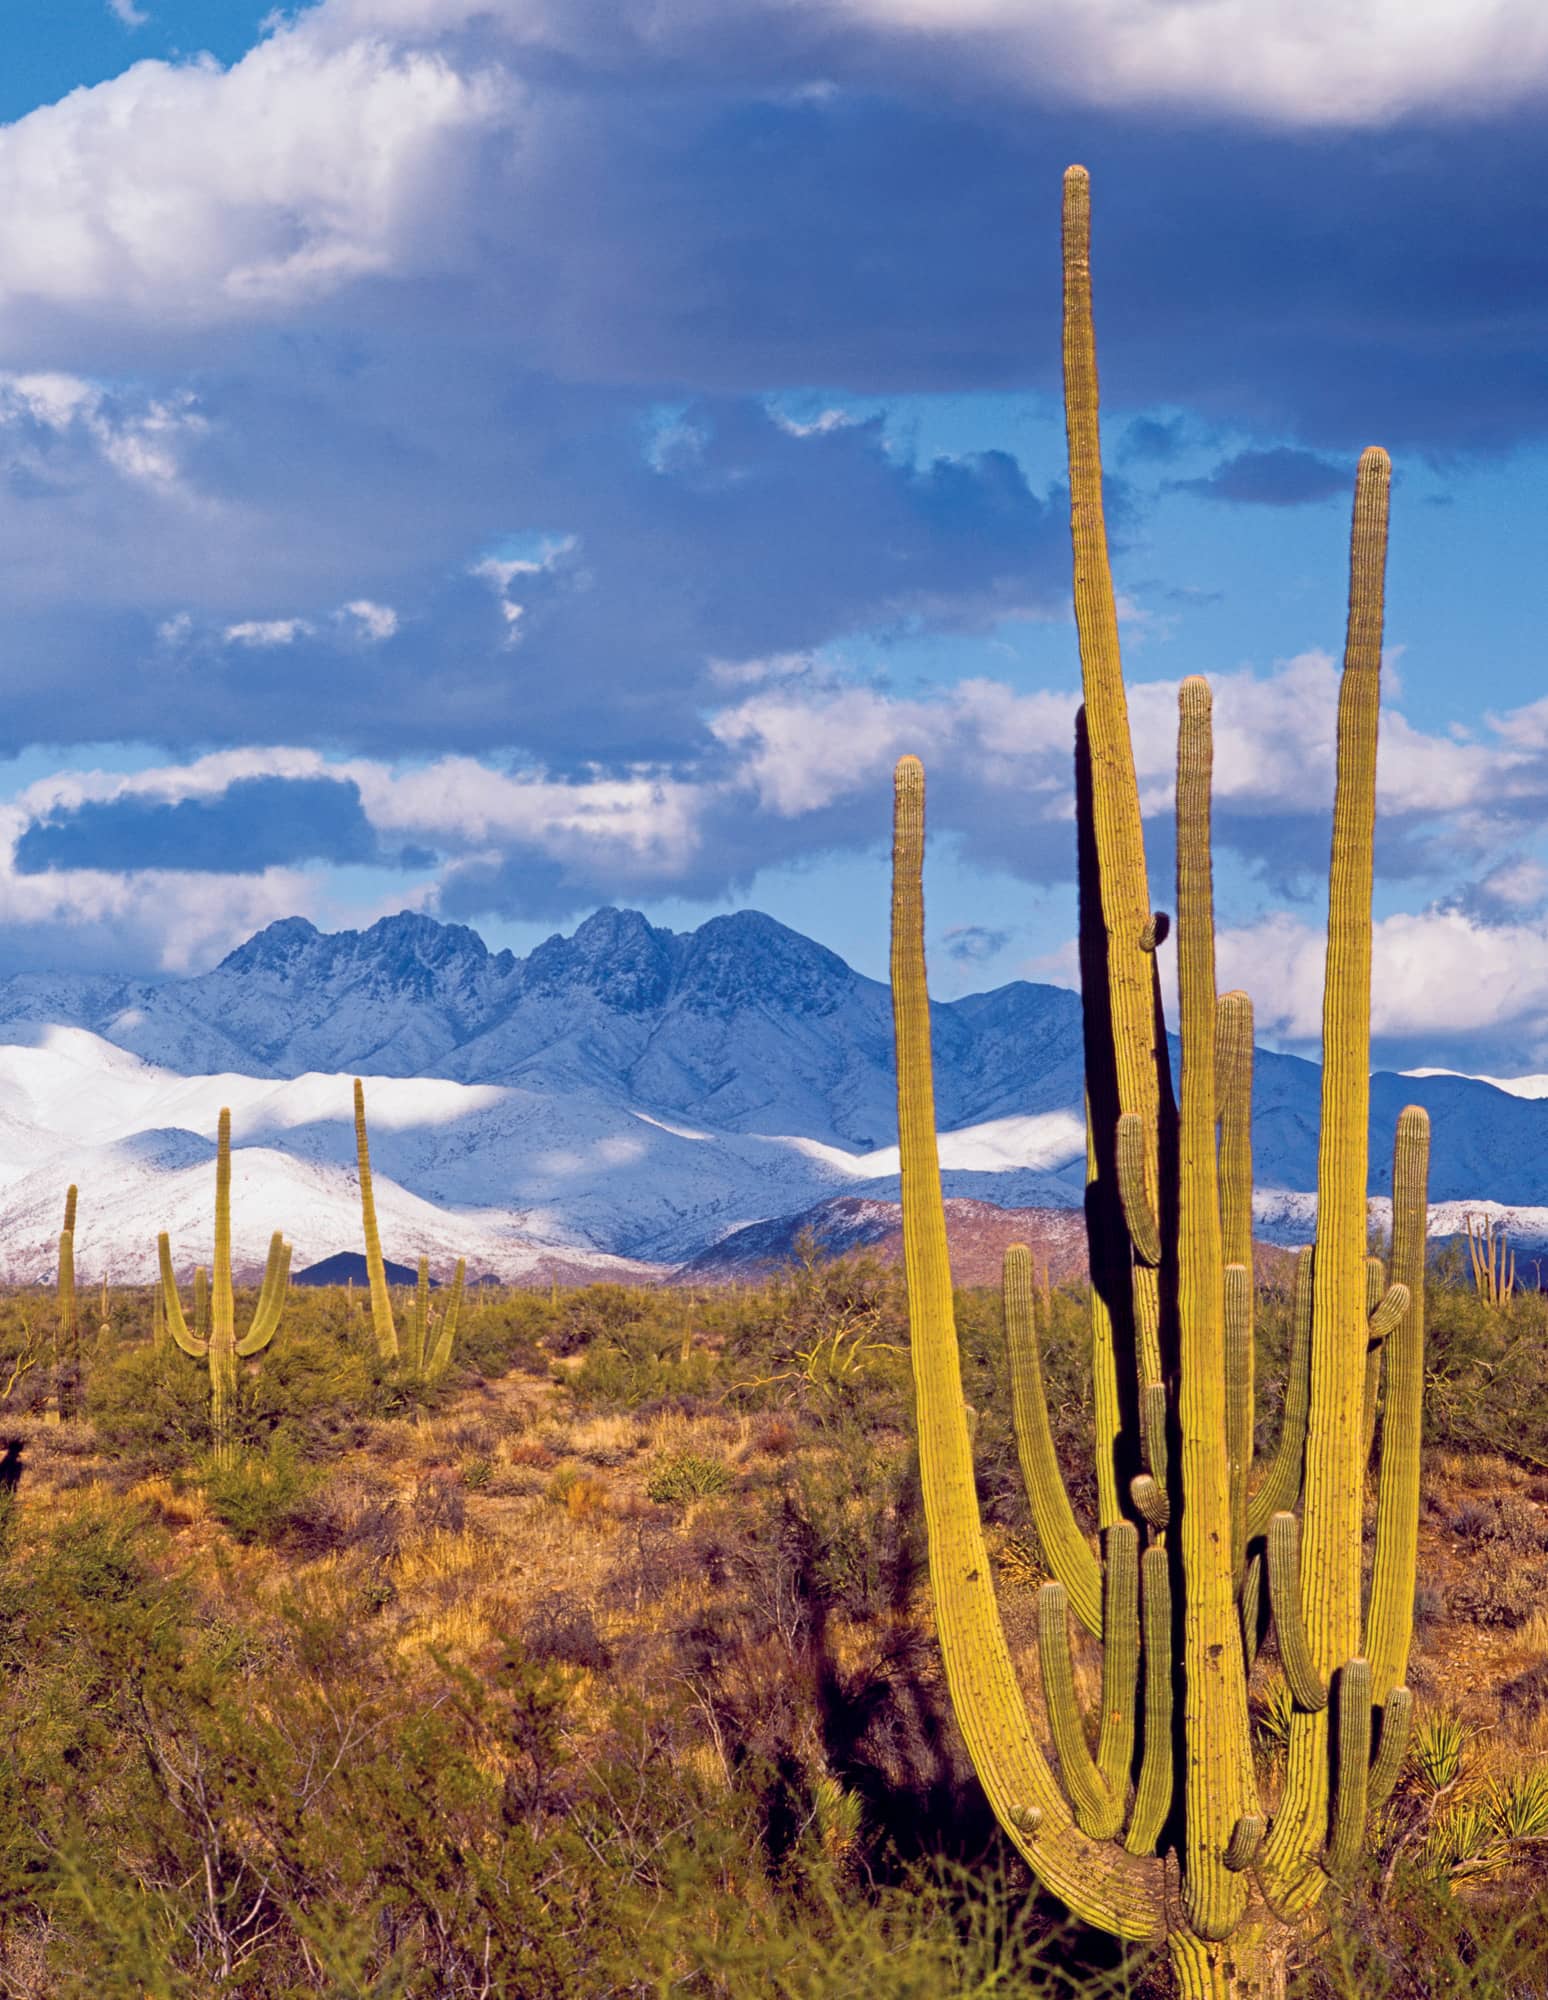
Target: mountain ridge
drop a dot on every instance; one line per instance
(622, 1092)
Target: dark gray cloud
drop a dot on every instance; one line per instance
(746, 541)
(1277, 476)
(973, 944)
(255, 823)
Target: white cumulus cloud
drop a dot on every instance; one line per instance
(258, 632)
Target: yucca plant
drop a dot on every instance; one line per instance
(1161, 1834)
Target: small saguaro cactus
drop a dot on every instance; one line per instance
(382, 1320)
(67, 1335)
(431, 1336)
(222, 1349)
(1162, 1833)
(1492, 1259)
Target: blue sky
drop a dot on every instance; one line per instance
(500, 459)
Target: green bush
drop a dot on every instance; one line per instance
(151, 1409)
(681, 1476)
(259, 1495)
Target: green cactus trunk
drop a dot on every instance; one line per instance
(1189, 1855)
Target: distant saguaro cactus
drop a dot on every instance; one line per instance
(222, 1349)
(382, 1319)
(1161, 1834)
(67, 1334)
(430, 1356)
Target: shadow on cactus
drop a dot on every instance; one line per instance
(1164, 1832)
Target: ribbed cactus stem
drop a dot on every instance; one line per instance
(1106, 1401)
(1065, 1548)
(1139, 1208)
(1389, 1625)
(1295, 1655)
(201, 1306)
(1331, 1543)
(1097, 1811)
(66, 1292)
(1282, 1486)
(1387, 1314)
(222, 1303)
(1233, 1102)
(419, 1336)
(1153, 1788)
(1250, 1602)
(1352, 1773)
(1335, 1472)
(1135, 1055)
(1396, 1717)
(1389, 1311)
(1121, 1893)
(1233, 1108)
(382, 1320)
(1246, 1839)
(1149, 1497)
(271, 1298)
(1153, 1421)
(1238, 1390)
(1215, 1727)
(440, 1357)
(1120, 1660)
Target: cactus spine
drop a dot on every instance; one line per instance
(1187, 1851)
(222, 1349)
(382, 1320)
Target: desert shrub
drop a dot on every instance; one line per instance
(318, 1391)
(350, 1511)
(562, 1629)
(150, 1409)
(154, 1409)
(260, 1496)
(860, 1521)
(1497, 1588)
(679, 1477)
(1425, 1940)
(438, 1506)
(640, 1362)
(1483, 1388)
(596, 1314)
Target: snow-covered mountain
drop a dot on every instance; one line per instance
(626, 1092)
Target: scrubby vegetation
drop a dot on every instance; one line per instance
(605, 1667)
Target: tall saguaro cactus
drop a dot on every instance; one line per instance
(383, 1321)
(222, 1349)
(1162, 1834)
